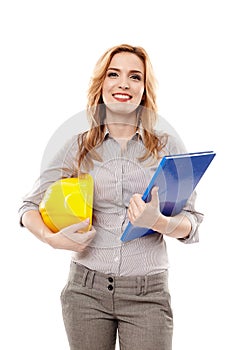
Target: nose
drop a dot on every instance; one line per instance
(124, 85)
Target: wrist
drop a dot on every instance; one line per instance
(177, 226)
(45, 234)
(161, 224)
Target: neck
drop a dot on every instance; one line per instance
(123, 131)
(121, 126)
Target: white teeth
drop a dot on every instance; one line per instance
(125, 97)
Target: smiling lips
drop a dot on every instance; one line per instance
(122, 97)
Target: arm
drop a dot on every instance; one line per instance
(61, 166)
(178, 226)
(70, 238)
(32, 220)
(149, 215)
(183, 226)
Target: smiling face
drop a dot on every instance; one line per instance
(123, 85)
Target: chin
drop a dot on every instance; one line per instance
(122, 107)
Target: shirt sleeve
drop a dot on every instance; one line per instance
(195, 218)
(176, 146)
(61, 166)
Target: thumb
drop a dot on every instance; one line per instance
(154, 196)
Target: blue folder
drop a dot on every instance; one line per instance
(176, 176)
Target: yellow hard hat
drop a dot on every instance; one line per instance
(67, 201)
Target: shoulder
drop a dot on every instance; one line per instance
(59, 150)
(70, 145)
(173, 144)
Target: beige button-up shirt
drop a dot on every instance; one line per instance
(116, 178)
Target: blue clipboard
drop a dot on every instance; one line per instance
(176, 176)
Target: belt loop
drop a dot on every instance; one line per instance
(145, 285)
(139, 285)
(91, 281)
(84, 279)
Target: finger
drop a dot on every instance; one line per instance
(88, 234)
(132, 219)
(136, 203)
(130, 214)
(84, 224)
(133, 208)
(81, 238)
(137, 198)
(154, 196)
(76, 227)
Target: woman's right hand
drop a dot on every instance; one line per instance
(71, 237)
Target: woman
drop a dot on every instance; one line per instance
(113, 285)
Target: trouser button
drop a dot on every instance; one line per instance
(110, 287)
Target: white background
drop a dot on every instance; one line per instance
(48, 50)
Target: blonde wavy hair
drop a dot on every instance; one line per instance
(96, 111)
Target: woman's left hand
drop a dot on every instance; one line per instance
(144, 214)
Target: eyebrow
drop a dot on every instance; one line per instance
(131, 71)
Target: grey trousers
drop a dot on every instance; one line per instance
(95, 306)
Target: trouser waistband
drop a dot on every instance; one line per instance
(109, 283)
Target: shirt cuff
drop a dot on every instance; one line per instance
(195, 219)
(26, 207)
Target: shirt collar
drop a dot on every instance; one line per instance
(138, 134)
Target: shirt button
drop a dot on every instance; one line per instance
(110, 287)
(110, 279)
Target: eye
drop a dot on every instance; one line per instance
(112, 75)
(136, 77)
